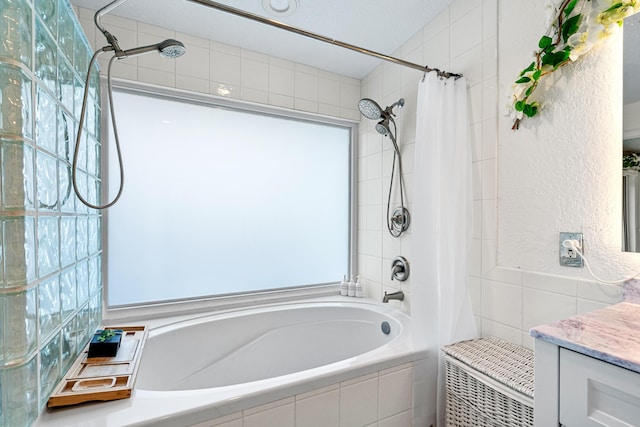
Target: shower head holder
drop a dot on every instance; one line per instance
(168, 48)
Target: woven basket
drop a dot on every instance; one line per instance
(489, 382)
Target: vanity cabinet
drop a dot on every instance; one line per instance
(597, 393)
(587, 369)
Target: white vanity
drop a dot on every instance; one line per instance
(587, 369)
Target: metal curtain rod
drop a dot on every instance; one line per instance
(277, 24)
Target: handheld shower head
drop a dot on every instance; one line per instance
(398, 222)
(383, 127)
(169, 48)
(370, 108)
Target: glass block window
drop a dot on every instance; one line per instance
(222, 200)
(50, 245)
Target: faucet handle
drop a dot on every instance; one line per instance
(399, 269)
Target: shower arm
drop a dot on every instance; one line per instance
(283, 26)
(111, 39)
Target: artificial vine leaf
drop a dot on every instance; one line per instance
(614, 7)
(554, 50)
(556, 59)
(571, 26)
(551, 59)
(545, 42)
(530, 110)
(529, 68)
(570, 7)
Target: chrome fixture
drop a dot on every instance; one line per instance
(315, 36)
(399, 295)
(398, 221)
(168, 48)
(371, 110)
(399, 269)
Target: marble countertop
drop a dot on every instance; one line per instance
(611, 334)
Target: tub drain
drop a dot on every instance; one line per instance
(386, 328)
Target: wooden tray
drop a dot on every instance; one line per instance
(102, 378)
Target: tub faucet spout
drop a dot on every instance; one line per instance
(399, 295)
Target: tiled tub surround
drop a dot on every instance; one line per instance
(360, 376)
(50, 280)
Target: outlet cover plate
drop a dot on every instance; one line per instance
(569, 258)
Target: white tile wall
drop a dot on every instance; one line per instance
(325, 401)
(506, 301)
(215, 68)
(462, 39)
(275, 414)
(379, 399)
(359, 398)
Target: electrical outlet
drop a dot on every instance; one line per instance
(568, 256)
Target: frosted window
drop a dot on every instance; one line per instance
(220, 201)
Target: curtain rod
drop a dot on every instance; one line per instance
(283, 26)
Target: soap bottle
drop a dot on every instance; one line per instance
(351, 286)
(344, 287)
(359, 293)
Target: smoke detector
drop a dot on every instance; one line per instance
(280, 7)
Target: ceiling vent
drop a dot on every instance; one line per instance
(280, 7)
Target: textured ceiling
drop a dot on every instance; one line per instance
(377, 25)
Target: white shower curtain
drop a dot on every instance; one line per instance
(441, 235)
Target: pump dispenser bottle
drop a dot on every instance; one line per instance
(359, 292)
(351, 287)
(344, 287)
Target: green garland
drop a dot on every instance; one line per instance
(631, 161)
(576, 27)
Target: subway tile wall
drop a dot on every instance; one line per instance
(381, 399)
(506, 302)
(219, 69)
(462, 38)
(50, 280)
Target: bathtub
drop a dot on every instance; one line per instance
(202, 367)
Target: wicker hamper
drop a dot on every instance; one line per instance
(489, 382)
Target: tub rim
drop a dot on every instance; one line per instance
(199, 405)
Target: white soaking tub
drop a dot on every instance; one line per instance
(202, 367)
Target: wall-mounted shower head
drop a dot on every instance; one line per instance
(399, 222)
(371, 110)
(169, 49)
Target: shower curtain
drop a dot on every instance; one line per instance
(441, 236)
(630, 214)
